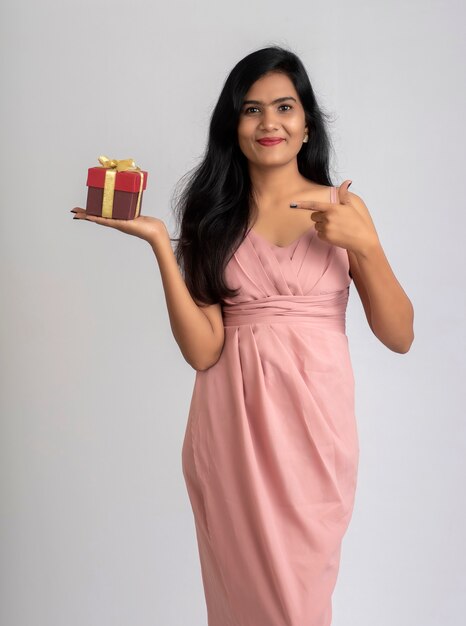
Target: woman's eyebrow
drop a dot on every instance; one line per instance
(273, 102)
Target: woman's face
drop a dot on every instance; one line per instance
(266, 118)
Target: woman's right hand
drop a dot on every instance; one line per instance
(150, 229)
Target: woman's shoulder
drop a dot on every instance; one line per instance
(314, 191)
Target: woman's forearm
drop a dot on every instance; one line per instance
(392, 312)
(191, 328)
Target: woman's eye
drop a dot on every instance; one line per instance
(282, 105)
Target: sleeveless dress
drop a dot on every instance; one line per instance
(270, 453)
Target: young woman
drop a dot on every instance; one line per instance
(268, 248)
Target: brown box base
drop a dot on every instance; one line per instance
(124, 203)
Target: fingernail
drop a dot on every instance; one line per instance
(293, 205)
(76, 217)
(73, 211)
(351, 182)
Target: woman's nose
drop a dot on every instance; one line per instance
(268, 119)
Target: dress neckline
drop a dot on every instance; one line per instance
(295, 241)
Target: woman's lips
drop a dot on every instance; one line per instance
(269, 142)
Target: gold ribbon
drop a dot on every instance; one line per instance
(113, 166)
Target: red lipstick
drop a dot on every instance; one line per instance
(270, 141)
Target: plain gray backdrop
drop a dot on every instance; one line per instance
(96, 527)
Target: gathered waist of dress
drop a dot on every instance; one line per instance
(323, 310)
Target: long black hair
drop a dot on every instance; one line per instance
(213, 209)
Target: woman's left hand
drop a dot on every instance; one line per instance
(347, 224)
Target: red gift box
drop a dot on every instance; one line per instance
(115, 189)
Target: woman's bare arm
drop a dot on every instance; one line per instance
(198, 330)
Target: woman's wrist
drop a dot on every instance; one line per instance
(160, 240)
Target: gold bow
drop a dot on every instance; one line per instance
(113, 166)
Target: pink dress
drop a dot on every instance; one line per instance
(270, 454)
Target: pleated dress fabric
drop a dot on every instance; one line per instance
(270, 452)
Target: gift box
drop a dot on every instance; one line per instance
(115, 189)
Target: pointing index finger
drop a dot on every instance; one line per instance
(310, 204)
